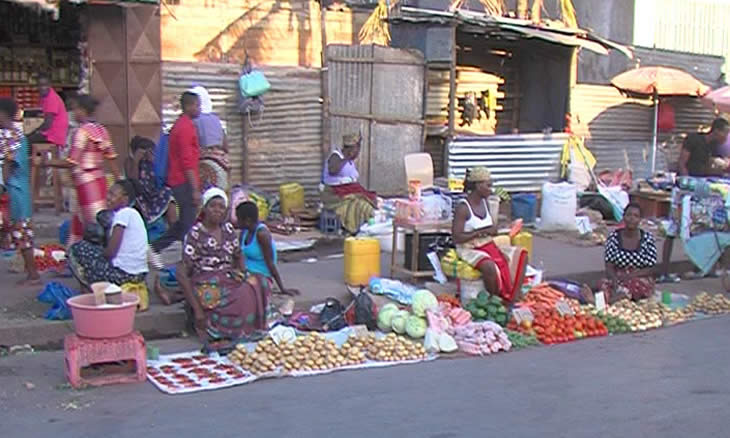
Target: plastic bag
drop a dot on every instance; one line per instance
(56, 294)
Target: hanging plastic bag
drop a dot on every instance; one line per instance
(57, 294)
(250, 103)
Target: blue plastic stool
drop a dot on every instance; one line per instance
(329, 223)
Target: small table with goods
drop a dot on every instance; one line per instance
(416, 229)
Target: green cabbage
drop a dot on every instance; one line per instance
(398, 323)
(416, 326)
(423, 300)
(385, 317)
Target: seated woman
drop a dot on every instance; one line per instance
(152, 201)
(630, 259)
(258, 246)
(122, 258)
(341, 192)
(472, 233)
(225, 303)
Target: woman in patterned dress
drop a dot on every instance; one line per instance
(225, 303)
(16, 177)
(152, 200)
(630, 259)
(90, 148)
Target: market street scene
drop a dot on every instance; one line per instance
(364, 218)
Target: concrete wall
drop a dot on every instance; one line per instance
(612, 19)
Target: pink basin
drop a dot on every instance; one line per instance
(101, 322)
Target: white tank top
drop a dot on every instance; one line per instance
(475, 222)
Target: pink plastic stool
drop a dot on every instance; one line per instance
(82, 352)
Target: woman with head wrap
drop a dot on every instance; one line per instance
(472, 232)
(225, 304)
(341, 191)
(211, 137)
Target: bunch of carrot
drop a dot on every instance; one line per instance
(450, 299)
(542, 296)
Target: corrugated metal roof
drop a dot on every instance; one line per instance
(518, 163)
(221, 81)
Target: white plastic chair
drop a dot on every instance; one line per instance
(419, 167)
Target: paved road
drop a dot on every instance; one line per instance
(668, 383)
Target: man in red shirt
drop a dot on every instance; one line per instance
(182, 175)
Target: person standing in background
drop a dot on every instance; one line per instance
(211, 136)
(183, 175)
(90, 149)
(55, 118)
(16, 177)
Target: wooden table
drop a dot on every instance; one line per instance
(652, 204)
(415, 229)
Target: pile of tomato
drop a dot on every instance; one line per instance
(550, 327)
(47, 261)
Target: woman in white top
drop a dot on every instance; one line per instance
(472, 231)
(124, 258)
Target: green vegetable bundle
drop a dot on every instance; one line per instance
(486, 307)
(520, 340)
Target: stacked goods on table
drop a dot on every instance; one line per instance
(710, 304)
(488, 308)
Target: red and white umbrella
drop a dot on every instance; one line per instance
(719, 99)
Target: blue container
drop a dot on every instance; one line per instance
(524, 206)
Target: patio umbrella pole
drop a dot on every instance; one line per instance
(654, 134)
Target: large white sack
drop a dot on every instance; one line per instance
(559, 203)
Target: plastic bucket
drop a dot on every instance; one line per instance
(106, 321)
(524, 206)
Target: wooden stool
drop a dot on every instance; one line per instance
(56, 198)
(82, 352)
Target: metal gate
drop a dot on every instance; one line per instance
(378, 91)
(124, 46)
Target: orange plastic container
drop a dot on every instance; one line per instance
(362, 260)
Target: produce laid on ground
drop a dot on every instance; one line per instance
(481, 338)
(391, 348)
(488, 308)
(307, 353)
(390, 317)
(520, 340)
(550, 327)
(542, 296)
(639, 317)
(710, 304)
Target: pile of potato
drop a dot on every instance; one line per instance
(710, 304)
(668, 315)
(265, 358)
(393, 348)
(639, 317)
(307, 353)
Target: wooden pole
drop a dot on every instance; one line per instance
(325, 147)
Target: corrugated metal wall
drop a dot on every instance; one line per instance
(695, 26)
(221, 81)
(618, 129)
(285, 145)
(282, 145)
(519, 163)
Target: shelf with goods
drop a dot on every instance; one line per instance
(33, 42)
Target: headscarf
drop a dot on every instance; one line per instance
(351, 139)
(206, 105)
(214, 192)
(478, 174)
